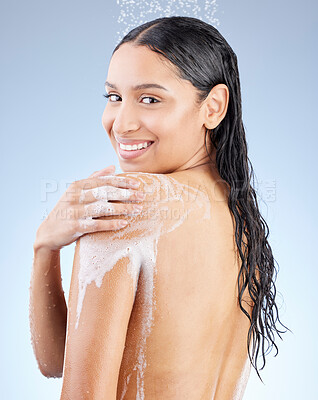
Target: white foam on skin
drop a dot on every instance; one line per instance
(102, 207)
(106, 193)
(96, 257)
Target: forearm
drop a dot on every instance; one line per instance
(48, 312)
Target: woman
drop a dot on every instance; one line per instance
(183, 290)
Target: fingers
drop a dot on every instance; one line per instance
(90, 198)
(109, 180)
(95, 225)
(108, 170)
(102, 209)
(79, 191)
(108, 193)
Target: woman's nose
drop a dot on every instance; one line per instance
(125, 120)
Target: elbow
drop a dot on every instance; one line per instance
(51, 366)
(50, 372)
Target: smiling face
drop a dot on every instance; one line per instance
(166, 115)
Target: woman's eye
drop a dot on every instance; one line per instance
(108, 96)
(151, 98)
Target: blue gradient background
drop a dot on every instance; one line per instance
(54, 59)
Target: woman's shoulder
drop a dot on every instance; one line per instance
(173, 192)
(185, 186)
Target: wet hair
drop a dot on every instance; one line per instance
(203, 57)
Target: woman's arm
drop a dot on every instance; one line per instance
(83, 200)
(48, 311)
(101, 299)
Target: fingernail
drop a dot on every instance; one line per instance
(138, 208)
(134, 183)
(123, 222)
(141, 195)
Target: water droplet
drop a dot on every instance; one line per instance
(134, 13)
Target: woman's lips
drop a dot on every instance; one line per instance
(129, 154)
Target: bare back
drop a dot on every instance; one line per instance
(196, 345)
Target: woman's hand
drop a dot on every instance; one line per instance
(84, 200)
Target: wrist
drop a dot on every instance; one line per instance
(42, 241)
(40, 246)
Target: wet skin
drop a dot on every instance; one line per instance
(196, 348)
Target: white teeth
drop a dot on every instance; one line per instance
(135, 146)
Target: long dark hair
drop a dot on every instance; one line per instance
(203, 57)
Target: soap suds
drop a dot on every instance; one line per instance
(98, 257)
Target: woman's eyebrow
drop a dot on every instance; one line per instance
(141, 86)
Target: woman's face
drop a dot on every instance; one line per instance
(166, 116)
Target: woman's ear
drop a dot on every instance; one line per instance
(216, 105)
